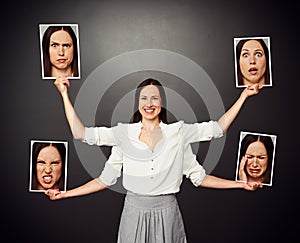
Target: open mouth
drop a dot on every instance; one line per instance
(47, 179)
(253, 71)
(255, 171)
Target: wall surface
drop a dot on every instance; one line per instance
(202, 32)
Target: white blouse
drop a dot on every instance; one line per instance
(158, 171)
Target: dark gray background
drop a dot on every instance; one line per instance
(200, 30)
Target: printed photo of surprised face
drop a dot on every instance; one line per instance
(60, 51)
(256, 158)
(252, 61)
(48, 165)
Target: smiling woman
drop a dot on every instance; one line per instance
(60, 52)
(152, 155)
(48, 163)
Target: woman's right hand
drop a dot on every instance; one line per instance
(242, 174)
(62, 84)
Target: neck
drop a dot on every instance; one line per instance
(150, 124)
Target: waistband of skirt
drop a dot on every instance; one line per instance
(149, 202)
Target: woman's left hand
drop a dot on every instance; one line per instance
(252, 186)
(251, 90)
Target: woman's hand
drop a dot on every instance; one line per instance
(55, 194)
(62, 84)
(242, 174)
(251, 90)
(252, 186)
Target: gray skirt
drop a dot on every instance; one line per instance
(151, 219)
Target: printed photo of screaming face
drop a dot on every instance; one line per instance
(48, 166)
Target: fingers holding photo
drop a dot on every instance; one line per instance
(54, 194)
(62, 83)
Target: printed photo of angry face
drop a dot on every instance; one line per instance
(60, 51)
(48, 166)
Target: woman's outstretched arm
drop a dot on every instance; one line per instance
(92, 186)
(226, 120)
(76, 126)
(219, 183)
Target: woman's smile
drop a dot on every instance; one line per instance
(149, 110)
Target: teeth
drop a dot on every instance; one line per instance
(47, 178)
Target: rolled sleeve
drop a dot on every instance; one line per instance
(204, 131)
(112, 168)
(196, 173)
(191, 168)
(99, 136)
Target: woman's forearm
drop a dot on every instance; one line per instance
(88, 188)
(92, 186)
(220, 183)
(77, 128)
(229, 116)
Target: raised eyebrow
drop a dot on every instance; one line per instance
(247, 50)
(259, 49)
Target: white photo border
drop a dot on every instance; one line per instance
(267, 40)
(42, 29)
(242, 135)
(31, 163)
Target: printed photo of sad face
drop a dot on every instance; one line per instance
(256, 158)
(48, 166)
(252, 62)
